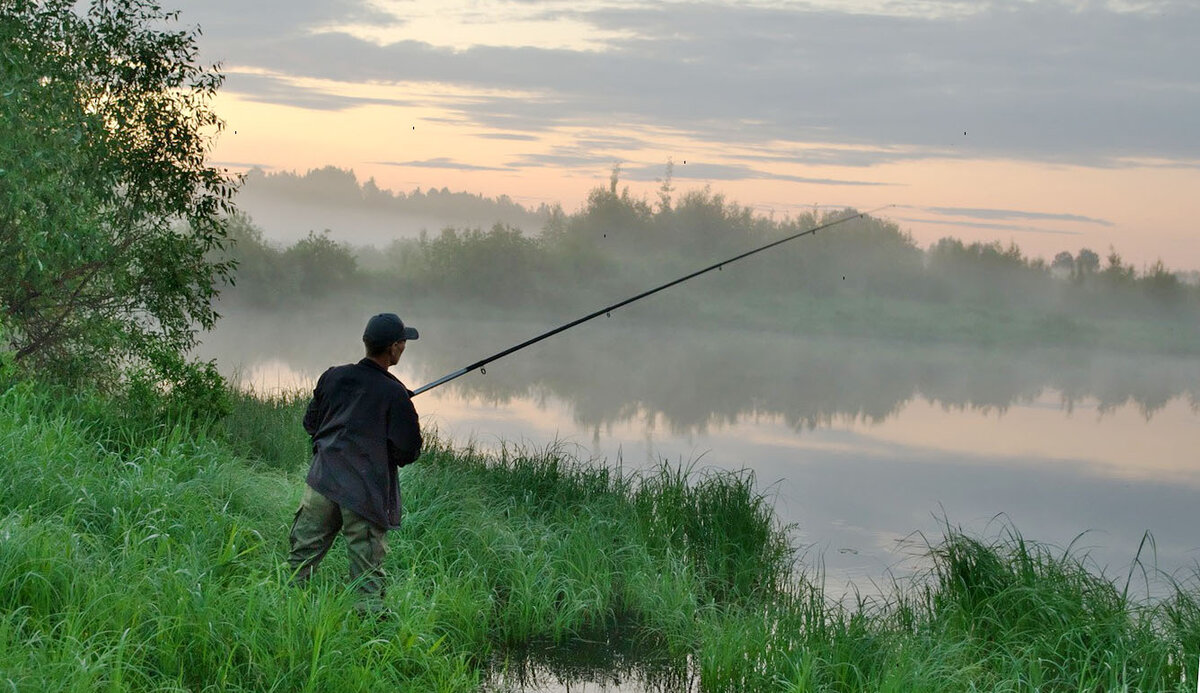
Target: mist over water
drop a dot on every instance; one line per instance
(862, 443)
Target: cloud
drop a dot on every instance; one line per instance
(1013, 214)
(726, 172)
(611, 141)
(853, 157)
(991, 227)
(230, 23)
(440, 162)
(1045, 81)
(588, 150)
(285, 91)
(507, 136)
(566, 159)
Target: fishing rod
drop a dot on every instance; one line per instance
(605, 311)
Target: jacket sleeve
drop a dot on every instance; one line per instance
(312, 416)
(404, 432)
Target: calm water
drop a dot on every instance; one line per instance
(865, 446)
(862, 444)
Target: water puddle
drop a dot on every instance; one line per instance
(616, 664)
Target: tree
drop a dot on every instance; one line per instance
(1064, 263)
(665, 189)
(110, 219)
(498, 265)
(616, 217)
(1087, 262)
(320, 264)
(264, 280)
(1161, 284)
(1117, 273)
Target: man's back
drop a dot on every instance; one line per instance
(364, 427)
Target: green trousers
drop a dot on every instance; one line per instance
(317, 524)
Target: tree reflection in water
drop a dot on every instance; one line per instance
(692, 379)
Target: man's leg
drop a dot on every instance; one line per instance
(367, 547)
(313, 531)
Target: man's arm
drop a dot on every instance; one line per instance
(404, 432)
(312, 416)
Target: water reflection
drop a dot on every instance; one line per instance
(691, 380)
(860, 442)
(618, 663)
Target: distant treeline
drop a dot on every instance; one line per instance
(618, 244)
(339, 188)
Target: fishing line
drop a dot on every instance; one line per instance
(607, 310)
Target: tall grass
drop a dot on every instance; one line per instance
(157, 568)
(266, 429)
(139, 556)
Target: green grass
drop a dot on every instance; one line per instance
(141, 555)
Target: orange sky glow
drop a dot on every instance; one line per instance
(1051, 124)
(1152, 208)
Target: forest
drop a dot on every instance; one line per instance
(865, 276)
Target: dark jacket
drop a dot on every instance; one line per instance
(363, 427)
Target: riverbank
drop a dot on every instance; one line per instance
(138, 554)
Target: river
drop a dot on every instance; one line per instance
(866, 447)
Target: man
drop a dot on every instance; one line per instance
(363, 427)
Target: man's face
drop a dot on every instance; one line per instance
(396, 350)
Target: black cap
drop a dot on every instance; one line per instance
(386, 328)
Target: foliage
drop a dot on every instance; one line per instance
(263, 278)
(499, 264)
(175, 389)
(8, 370)
(865, 276)
(340, 188)
(613, 219)
(320, 264)
(109, 217)
(1161, 285)
(1087, 262)
(1063, 262)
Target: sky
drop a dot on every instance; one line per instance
(1052, 124)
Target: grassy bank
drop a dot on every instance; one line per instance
(142, 555)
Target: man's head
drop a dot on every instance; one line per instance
(385, 337)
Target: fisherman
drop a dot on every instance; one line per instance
(363, 427)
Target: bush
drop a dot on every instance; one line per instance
(104, 127)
